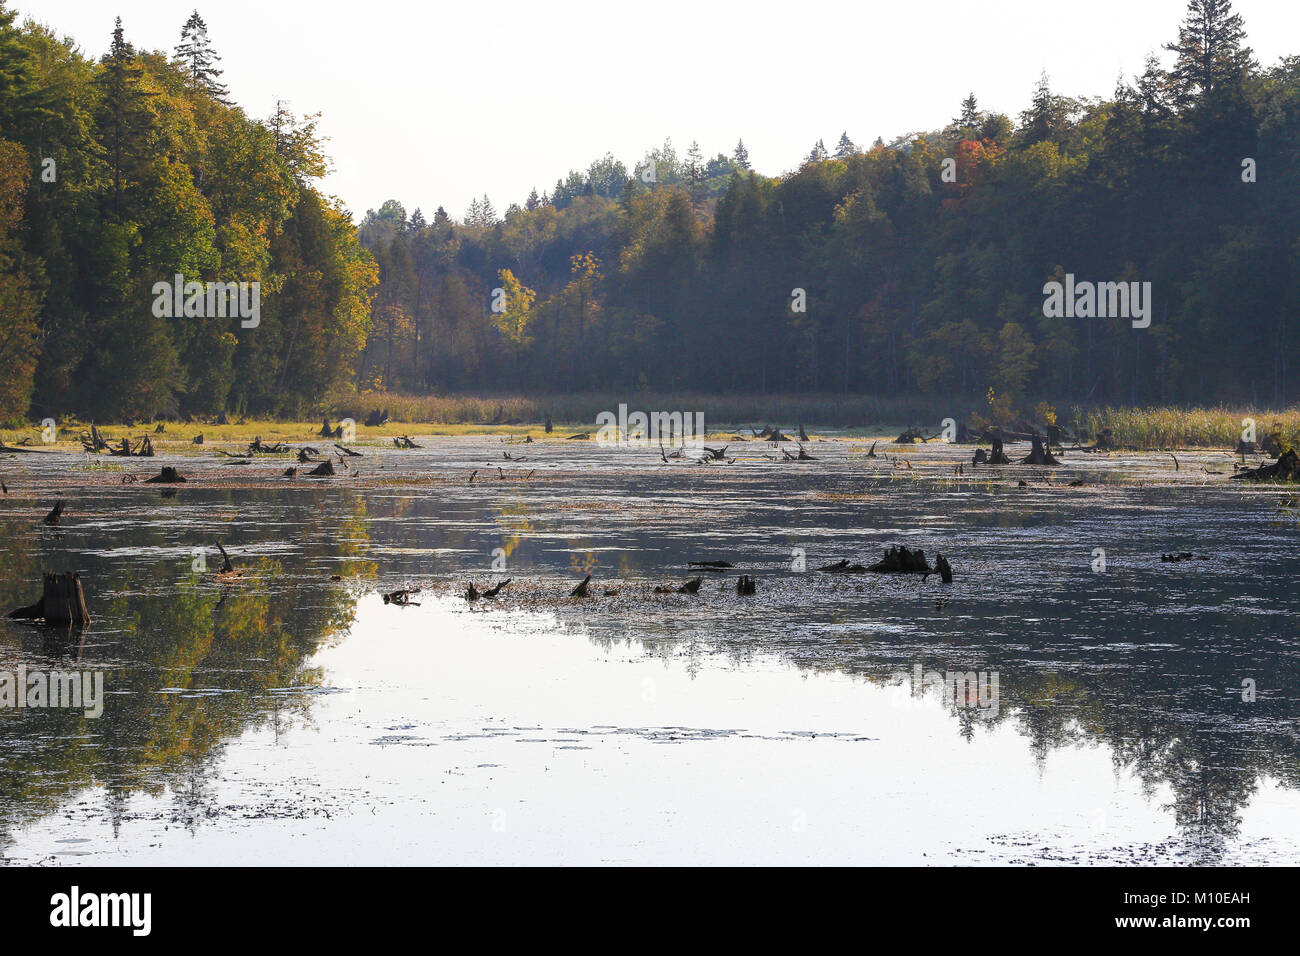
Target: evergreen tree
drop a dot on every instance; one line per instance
(741, 155)
(1210, 50)
(200, 60)
(969, 121)
(846, 146)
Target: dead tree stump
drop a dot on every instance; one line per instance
(62, 602)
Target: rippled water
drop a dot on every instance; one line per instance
(288, 717)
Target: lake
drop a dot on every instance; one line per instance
(1121, 709)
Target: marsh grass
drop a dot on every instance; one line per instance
(517, 417)
(1172, 428)
(720, 411)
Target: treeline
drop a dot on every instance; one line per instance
(889, 269)
(122, 172)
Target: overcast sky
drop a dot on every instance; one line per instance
(433, 103)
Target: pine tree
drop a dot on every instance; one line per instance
(969, 120)
(533, 200)
(122, 119)
(741, 155)
(487, 212)
(200, 60)
(1210, 50)
(846, 146)
(818, 153)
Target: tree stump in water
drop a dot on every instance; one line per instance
(901, 560)
(1286, 468)
(1039, 455)
(324, 470)
(996, 457)
(168, 476)
(62, 603)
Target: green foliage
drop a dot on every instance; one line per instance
(157, 175)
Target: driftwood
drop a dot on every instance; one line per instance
(872, 452)
(1183, 556)
(582, 589)
(168, 476)
(198, 439)
(775, 435)
(581, 436)
(324, 470)
(843, 567)
(1286, 468)
(62, 603)
(745, 585)
(910, 436)
(347, 451)
(404, 441)
(55, 513)
(710, 565)
(377, 418)
(496, 589)
(802, 456)
(402, 598)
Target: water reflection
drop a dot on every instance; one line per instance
(1147, 660)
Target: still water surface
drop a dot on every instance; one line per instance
(288, 717)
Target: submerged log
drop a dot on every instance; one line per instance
(690, 587)
(710, 565)
(582, 590)
(62, 603)
(844, 567)
(55, 513)
(347, 451)
(745, 585)
(324, 470)
(496, 589)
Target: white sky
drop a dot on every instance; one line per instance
(433, 103)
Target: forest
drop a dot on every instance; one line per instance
(909, 268)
